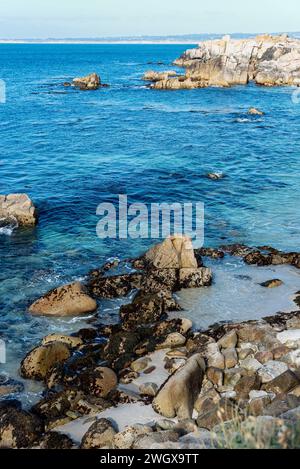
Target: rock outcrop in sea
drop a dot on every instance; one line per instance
(88, 83)
(266, 60)
(20, 207)
(68, 300)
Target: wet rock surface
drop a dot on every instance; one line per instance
(69, 300)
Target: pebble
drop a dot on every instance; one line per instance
(148, 389)
(140, 365)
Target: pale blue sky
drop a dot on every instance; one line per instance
(95, 18)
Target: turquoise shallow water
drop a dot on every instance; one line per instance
(71, 150)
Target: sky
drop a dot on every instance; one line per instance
(101, 18)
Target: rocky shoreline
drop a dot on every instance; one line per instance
(265, 60)
(154, 382)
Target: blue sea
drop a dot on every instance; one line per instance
(71, 150)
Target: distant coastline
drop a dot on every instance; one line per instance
(172, 39)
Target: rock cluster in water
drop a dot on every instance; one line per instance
(266, 60)
(87, 83)
(233, 384)
(20, 207)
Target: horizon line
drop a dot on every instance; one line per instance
(132, 38)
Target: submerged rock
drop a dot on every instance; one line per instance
(210, 252)
(257, 258)
(68, 300)
(9, 386)
(255, 112)
(19, 206)
(215, 176)
(272, 283)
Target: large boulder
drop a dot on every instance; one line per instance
(175, 252)
(90, 82)
(18, 429)
(114, 286)
(178, 395)
(145, 309)
(42, 359)
(68, 300)
(20, 207)
(99, 382)
(100, 435)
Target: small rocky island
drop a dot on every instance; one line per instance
(90, 82)
(266, 60)
(19, 207)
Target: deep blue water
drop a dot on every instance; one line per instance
(71, 150)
